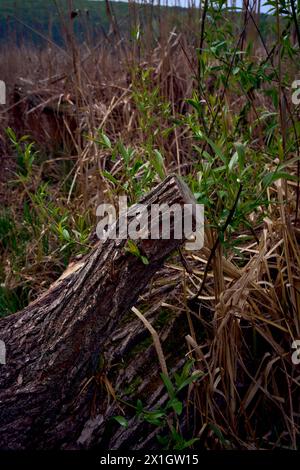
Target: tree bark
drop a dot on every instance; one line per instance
(54, 345)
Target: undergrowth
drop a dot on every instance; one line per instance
(212, 104)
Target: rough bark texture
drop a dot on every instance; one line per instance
(54, 345)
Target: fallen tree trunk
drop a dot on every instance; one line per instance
(54, 344)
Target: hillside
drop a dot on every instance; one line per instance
(45, 17)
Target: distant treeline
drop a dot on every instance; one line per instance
(34, 21)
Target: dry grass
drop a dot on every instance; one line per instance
(241, 328)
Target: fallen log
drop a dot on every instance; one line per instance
(54, 344)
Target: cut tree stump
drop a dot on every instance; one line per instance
(53, 346)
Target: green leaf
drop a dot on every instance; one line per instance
(195, 104)
(187, 368)
(240, 148)
(169, 386)
(185, 444)
(110, 177)
(155, 414)
(190, 380)
(154, 417)
(121, 420)
(132, 248)
(276, 175)
(233, 161)
(106, 141)
(215, 148)
(137, 165)
(139, 407)
(176, 405)
(11, 135)
(158, 164)
(66, 234)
